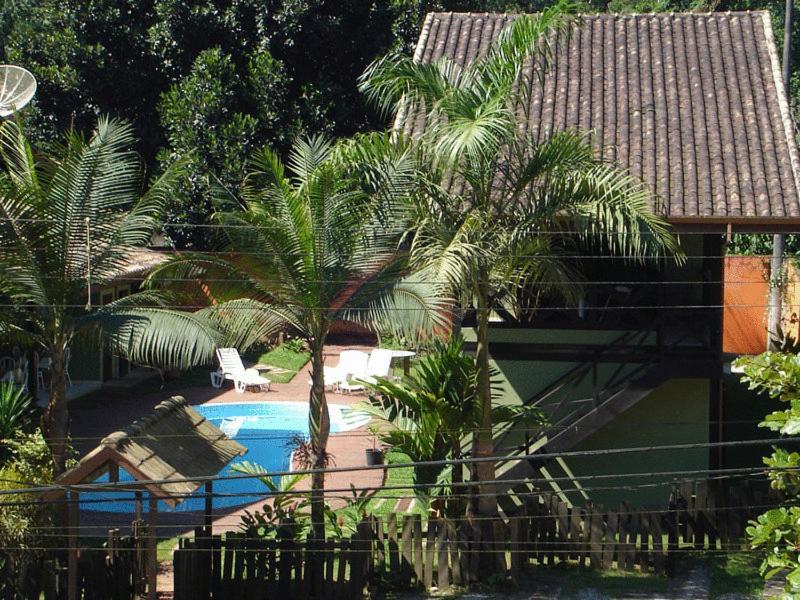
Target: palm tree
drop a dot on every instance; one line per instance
(70, 221)
(428, 414)
(504, 204)
(318, 246)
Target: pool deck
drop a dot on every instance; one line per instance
(94, 419)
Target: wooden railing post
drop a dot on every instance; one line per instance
(151, 555)
(72, 536)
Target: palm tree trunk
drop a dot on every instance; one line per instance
(55, 417)
(483, 447)
(319, 427)
(457, 502)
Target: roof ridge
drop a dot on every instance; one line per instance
(142, 424)
(598, 15)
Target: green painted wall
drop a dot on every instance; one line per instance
(551, 336)
(675, 413)
(521, 379)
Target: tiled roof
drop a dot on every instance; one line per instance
(138, 263)
(692, 104)
(170, 445)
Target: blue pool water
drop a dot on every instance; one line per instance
(266, 429)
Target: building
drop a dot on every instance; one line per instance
(91, 365)
(694, 106)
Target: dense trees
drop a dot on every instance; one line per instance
(223, 77)
(87, 193)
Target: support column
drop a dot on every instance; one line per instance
(713, 297)
(152, 556)
(73, 521)
(209, 506)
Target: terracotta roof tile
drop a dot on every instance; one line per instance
(693, 104)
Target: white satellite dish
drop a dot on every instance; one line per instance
(17, 87)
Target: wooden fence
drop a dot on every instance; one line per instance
(408, 552)
(114, 572)
(237, 567)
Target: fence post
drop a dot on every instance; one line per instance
(152, 558)
(419, 570)
(442, 566)
(72, 536)
(407, 569)
(431, 537)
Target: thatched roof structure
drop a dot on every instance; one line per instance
(168, 447)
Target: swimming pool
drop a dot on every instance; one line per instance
(266, 429)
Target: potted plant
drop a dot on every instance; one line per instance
(374, 454)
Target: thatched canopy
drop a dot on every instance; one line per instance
(171, 445)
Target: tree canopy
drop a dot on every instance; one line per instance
(221, 78)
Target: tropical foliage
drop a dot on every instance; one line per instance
(313, 246)
(506, 205)
(26, 525)
(16, 411)
(429, 414)
(286, 512)
(71, 221)
(221, 78)
(777, 532)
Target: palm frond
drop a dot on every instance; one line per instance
(243, 322)
(412, 308)
(605, 204)
(156, 337)
(527, 38)
(395, 82)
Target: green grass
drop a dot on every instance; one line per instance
(610, 583)
(394, 477)
(164, 549)
(735, 573)
(283, 358)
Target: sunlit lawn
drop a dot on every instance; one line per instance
(286, 359)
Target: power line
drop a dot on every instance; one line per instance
(652, 307)
(669, 478)
(442, 463)
(377, 225)
(368, 281)
(368, 434)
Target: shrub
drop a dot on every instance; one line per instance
(26, 526)
(16, 410)
(777, 532)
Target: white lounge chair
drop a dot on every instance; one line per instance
(231, 367)
(350, 362)
(378, 365)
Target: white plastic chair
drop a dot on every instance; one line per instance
(17, 375)
(42, 366)
(351, 362)
(231, 367)
(378, 365)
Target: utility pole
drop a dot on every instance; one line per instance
(779, 240)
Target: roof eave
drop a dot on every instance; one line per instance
(709, 224)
